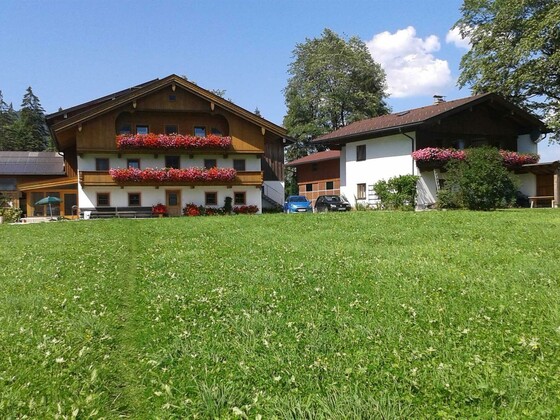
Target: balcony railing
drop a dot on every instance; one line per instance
(104, 179)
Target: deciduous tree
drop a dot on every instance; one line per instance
(515, 51)
(333, 82)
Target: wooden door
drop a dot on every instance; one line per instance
(545, 184)
(70, 205)
(173, 202)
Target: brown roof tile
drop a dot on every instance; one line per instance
(316, 157)
(410, 117)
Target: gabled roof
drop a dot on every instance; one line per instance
(108, 103)
(316, 157)
(412, 119)
(31, 163)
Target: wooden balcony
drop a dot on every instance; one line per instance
(103, 179)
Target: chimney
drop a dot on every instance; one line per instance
(438, 99)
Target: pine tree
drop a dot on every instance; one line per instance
(7, 118)
(32, 132)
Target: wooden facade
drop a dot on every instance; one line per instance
(318, 174)
(168, 106)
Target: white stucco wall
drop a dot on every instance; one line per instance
(528, 184)
(386, 157)
(87, 197)
(87, 162)
(525, 144)
(426, 189)
(274, 190)
(151, 195)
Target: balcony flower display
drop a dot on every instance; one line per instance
(159, 209)
(171, 141)
(515, 160)
(434, 157)
(173, 175)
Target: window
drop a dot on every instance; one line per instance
(133, 163)
(172, 98)
(308, 187)
(101, 164)
(200, 131)
(239, 164)
(211, 198)
(125, 128)
(172, 198)
(361, 193)
(171, 129)
(133, 199)
(361, 152)
(210, 163)
(216, 131)
(173, 162)
(239, 198)
(142, 129)
(314, 167)
(103, 199)
(329, 185)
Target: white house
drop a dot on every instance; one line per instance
(382, 147)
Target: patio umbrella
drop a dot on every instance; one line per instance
(48, 200)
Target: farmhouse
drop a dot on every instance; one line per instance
(27, 177)
(384, 147)
(168, 141)
(318, 174)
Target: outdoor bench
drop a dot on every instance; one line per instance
(534, 200)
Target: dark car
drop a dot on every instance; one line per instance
(331, 203)
(297, 204)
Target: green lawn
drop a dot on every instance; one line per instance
(360, 315)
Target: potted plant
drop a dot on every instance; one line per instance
(159, 210)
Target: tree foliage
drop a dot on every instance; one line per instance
(515, 52)
(333, 82)
(26, 129)
(479, 182)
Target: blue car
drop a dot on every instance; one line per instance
(297, 204)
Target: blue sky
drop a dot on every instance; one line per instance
(72, 51)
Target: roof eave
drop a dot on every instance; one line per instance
(370, 134)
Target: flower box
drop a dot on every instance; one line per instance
(172, 141)
(435, 158)
(187, 175)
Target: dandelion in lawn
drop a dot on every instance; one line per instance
(59, 360)
(534, 343)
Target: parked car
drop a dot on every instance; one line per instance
(331, 203)
(297, 204)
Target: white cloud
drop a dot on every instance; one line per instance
(411, 67)
(454, 37)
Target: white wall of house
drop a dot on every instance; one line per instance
(525, 144)
(386, 157)
(274, 190)
(150, 195)
(426, 188)
(87, 197)
(87, 162)
(528, 184)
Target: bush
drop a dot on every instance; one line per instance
(480, 182)
(9, 213)
(398, 192)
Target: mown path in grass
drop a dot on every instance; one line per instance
(358, 315)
